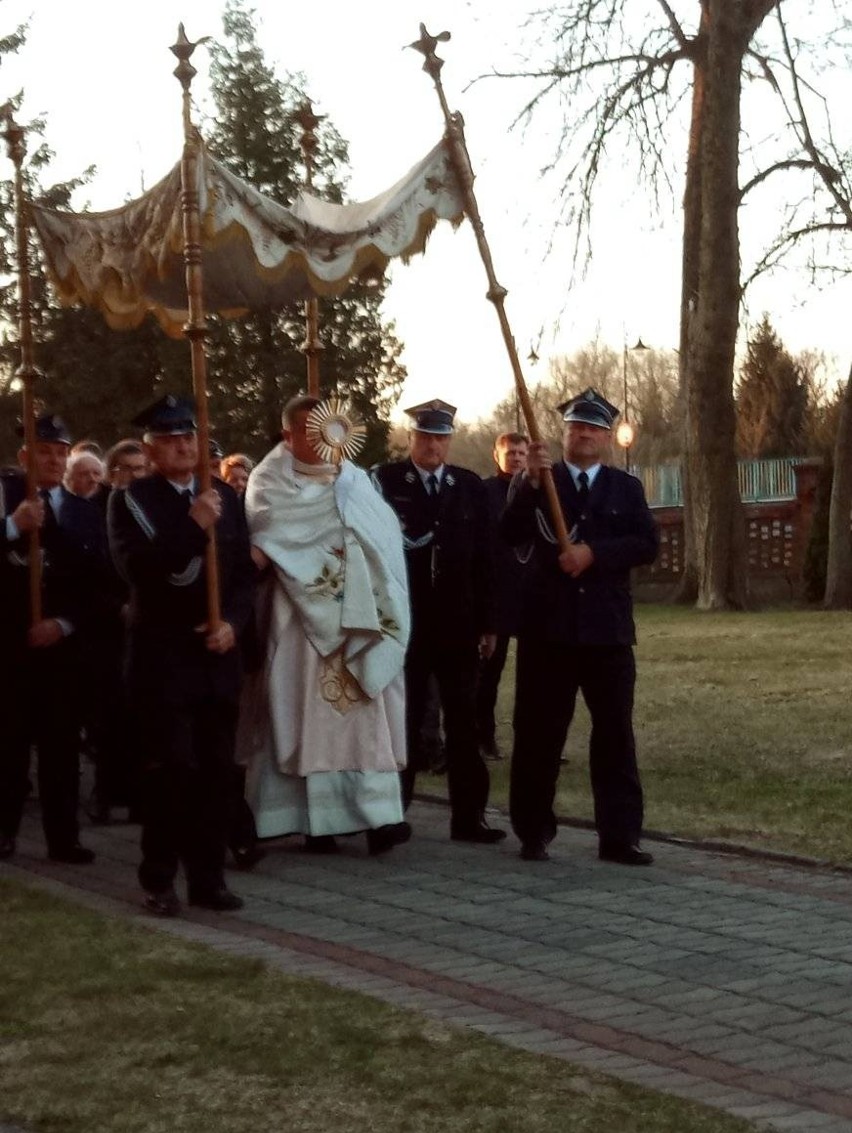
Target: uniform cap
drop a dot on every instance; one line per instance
(49, 427)
(589, 408)
(168, 417)
(434, 416)
(216, 450)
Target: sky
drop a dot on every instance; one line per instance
(102, 74)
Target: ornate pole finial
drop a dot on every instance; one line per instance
(183, 48)
(308, 121)
(426, 45)
(432, 63)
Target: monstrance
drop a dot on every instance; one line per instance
(334, 431)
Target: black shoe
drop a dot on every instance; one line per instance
(534, 852)
(163, 904)
(220, 900)
(384, 838)
(486, 835)
(247, 857)
(624, 855)
(75, 854)
(7, 847)
(320, 844)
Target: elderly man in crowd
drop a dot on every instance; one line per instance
(84, 474)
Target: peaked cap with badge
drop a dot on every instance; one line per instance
(433, 416)
(589, 408)
(169, 417)
(49, 427)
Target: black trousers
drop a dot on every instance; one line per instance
(549, 676)
(108, 722)
(40, 706)
(186, 788)
(454, 666)
(490, 672)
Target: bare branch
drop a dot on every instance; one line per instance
(778, 167)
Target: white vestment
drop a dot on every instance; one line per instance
(322, 729)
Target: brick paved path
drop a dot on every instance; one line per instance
(722, 979)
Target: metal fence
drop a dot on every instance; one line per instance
(761, 481)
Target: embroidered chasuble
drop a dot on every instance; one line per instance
(322, 727)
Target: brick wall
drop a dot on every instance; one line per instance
(777, 535)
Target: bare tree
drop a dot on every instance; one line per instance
(838, 580)
(621, 81)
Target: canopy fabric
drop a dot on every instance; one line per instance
(256, 253)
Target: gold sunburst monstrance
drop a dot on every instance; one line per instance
(334, 430)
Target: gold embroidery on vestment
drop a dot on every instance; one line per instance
(338, 686)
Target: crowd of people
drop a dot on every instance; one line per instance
(353, 615)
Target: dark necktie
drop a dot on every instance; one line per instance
(49, 513)
(583, 486)
(432, 483)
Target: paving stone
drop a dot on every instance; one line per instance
(725, 980)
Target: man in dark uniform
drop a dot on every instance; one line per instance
(577, 633)
(510, 457)
(183, 677)
(40, 664)
(443, 512)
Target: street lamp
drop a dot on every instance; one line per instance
(532, 358)
(625, 432)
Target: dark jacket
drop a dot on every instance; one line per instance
(160, 551)
(447, 549)
(510, 571)
(74, 565)
(597, 607)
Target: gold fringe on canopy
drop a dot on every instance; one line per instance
(256, 253)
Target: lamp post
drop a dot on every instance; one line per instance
(532, 358)
(625, 432)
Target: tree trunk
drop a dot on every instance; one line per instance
(717, 517)
(687, 588)
(838, 579)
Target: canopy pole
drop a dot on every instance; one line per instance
(27, 371)
(312, 347)
(496, 292)
(195, 328)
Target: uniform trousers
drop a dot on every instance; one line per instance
(549, 675)
(490, 671)
(41, 708)
(454, 665)
(185, 791)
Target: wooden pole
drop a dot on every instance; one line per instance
(312, 347)
(27, 372)
(496, 292)
(196, 326)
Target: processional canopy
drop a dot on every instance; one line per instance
(256, 253)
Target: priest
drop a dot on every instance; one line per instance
(323, 724)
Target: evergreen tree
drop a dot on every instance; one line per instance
(772, 398)
(255, 361)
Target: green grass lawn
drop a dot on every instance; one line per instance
(107, 1028)
(744, 729)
